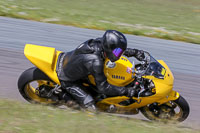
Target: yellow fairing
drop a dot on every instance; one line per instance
(120, 74)
(44, 58)
(163, 93)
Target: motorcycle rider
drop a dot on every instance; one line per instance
(88, 59)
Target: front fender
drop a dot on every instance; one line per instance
(173, 95)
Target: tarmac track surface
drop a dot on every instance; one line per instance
(182, 58)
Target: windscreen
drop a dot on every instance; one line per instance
(155, 69)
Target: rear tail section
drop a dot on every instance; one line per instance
(44, 58)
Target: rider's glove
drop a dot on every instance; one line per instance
(130, 92)
(138, 54)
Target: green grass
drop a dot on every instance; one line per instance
(169, 19)
(16, 117)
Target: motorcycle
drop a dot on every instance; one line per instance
(152, 80)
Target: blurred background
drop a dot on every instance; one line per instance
(168, 19)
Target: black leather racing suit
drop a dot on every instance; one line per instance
(87, 59)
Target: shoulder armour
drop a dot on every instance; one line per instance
(85, 48)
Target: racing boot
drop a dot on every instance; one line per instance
(84, 99)
(90, 107)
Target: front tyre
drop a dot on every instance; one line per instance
(177, 110)
(30, 85)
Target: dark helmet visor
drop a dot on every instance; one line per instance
(117, 52)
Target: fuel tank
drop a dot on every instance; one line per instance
(119, 73)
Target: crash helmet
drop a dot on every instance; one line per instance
(114, 44)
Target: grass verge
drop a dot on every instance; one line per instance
(16, 117)
(168, 19)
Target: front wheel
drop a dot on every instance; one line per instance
(177, 110)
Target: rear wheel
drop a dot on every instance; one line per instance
(34, 86)
(177, 110)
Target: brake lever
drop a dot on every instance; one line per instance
(141, 90)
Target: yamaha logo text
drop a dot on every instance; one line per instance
(118, 77)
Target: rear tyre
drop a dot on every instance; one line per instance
(29, 82)
(177, 110)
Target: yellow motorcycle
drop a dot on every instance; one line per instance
(152, 80)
